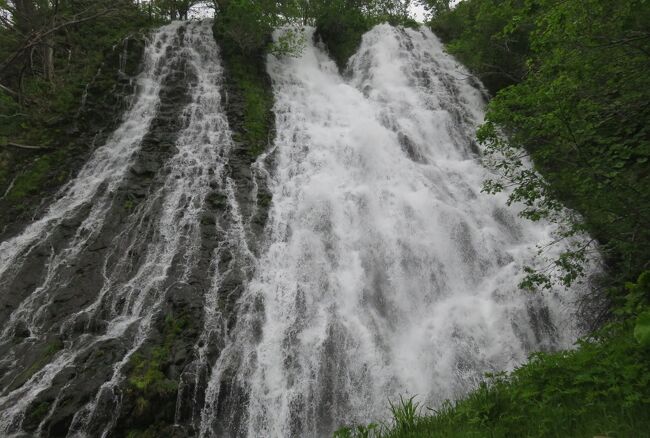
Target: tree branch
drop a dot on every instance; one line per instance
(36, 38)
(24, 146)
(9, 91)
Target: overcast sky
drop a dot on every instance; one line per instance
(418, 13)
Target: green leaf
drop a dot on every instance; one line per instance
(642, 329)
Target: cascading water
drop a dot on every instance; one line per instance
(147, 224)
(387, 271)
(383, 269)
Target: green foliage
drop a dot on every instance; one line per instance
(637, 296)
(243, 30)
(341, 28)
(404, 414)
(245, 26)
(31, 181)
(48, 100)
(291, 43)
(129, 204)
(572, 95)
(40, 106)
(642, 329)
(151, 385)
(148, 384)
(252, 85)
(491, 37)
(368, 431)
(147, 376)
(436, 7)
(168, 9)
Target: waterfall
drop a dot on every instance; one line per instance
(387, 271)
(382, 271)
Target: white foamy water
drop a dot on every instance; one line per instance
(387, 272)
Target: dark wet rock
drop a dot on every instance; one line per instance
(79, 383)
(33, 354)
(20, 330)
(144, 168)
(410, 148)
(106, 98)
(241, 163)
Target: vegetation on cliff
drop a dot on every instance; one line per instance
(64, 73)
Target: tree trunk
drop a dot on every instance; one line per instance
(48, 60)
(48, 53)
(25, 16)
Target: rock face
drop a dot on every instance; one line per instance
(120, 291)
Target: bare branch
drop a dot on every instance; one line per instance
(9, 91)
(24, 146)
(36, 37)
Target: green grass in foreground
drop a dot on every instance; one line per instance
(600, 389)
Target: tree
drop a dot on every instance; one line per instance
(436, 7)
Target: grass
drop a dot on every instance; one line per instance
(31, 181)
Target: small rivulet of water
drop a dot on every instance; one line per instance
(383, 270)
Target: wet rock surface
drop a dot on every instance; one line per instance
(87, 368)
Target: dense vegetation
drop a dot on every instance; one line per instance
(572, 92)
